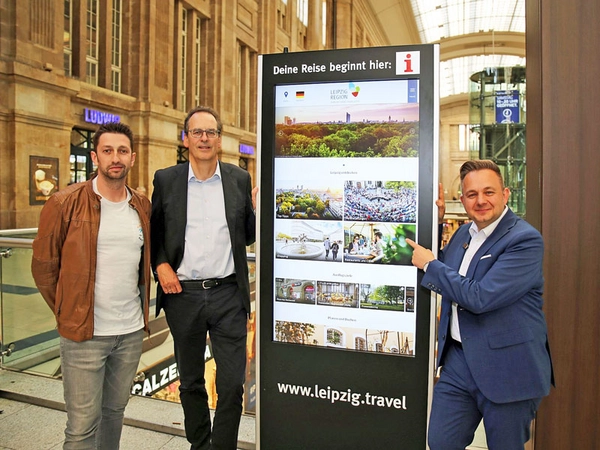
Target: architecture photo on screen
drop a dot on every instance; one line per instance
(346, 199)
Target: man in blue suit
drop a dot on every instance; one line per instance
(202, 220)
(492, 338)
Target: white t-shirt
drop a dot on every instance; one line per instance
(117, 301)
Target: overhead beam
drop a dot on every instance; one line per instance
(398, 24)
(483, 43)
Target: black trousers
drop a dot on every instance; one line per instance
(190, 315)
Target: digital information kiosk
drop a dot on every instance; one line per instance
(348, 145)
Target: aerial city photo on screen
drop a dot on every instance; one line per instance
(346, 198)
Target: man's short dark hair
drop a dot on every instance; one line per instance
(113, 127)
(480, 164)
(206, 109)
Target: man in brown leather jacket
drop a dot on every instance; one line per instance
(91, 263)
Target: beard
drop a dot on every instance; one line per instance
(109, 175)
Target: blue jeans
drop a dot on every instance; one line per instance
(97, 377)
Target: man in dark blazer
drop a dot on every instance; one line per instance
(202, 220)
(492, 338)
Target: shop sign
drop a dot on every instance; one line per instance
(99, 117)
(247, 149)
(157, 378)
(507, 106)
(163, 374)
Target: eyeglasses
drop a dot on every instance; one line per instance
(198, 132)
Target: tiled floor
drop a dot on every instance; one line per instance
(25, 426)
(30, 420)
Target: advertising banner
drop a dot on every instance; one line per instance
(43, 178)
(507, 106)
(348, 145)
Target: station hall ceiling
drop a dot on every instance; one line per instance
(473, 34)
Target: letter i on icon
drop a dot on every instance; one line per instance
(408, 63)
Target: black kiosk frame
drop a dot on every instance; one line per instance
(348, 145)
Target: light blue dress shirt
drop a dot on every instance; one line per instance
(207, 252)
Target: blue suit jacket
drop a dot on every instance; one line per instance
(169, 217)
(502, 325)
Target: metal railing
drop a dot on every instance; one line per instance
(29, 341)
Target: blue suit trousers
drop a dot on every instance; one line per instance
(458, 407)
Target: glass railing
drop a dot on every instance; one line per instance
(30, 341)
(27, 328)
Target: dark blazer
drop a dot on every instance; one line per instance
(502, 326)
(169, 217)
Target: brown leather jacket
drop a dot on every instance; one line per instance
(64, 257)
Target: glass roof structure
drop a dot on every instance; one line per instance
(441, 19)
(455, 73)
